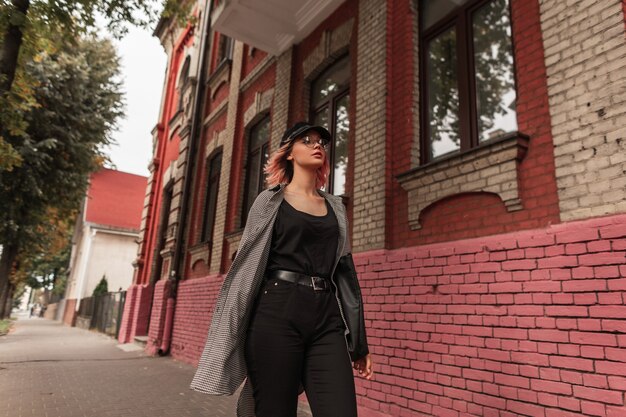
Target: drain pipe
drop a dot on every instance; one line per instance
(194, 138)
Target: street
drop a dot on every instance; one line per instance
(48, 369)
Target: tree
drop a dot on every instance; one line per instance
(78, 101)
(46, 266)
(101, 288)
(29, 27)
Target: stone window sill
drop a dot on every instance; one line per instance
(491, 167)
(233, 238)
(220, 76)
(200, 252)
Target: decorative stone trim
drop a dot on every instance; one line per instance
(216, 142)
(175, 119)
(280, 103)
(491, 167)
(261, 105)
(166, 262)
(258, 70)
(233, 239)
(200, 252)
(167, 175)
(185, 130)
(216, 113)
(219, 77)
(228, 143)
(332, 45)
(370, 129)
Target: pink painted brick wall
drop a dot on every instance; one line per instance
(528, 323)
(157, 317)
(194, 309)
(128, 315)
(141, 315)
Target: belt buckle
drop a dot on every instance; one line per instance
(314, 284)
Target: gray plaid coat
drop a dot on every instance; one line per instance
(222, 367)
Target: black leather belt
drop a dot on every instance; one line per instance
(317, 283)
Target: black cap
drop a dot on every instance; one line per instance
(301, 128)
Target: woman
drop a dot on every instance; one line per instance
(290, 310)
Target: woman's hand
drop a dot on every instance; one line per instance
(364, 366)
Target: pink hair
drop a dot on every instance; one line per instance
(280, 170)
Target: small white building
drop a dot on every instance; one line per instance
(105, 236)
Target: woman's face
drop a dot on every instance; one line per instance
(307, 151)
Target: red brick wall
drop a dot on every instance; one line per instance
(69, 315)
(194, 309)
(298, 99)
(218, 97)
(448, 219)
(166, 153)
(527, 323)
(264, 82)
(249, 62)
(199, 193)
(300, 93)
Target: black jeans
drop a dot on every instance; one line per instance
(296, 335)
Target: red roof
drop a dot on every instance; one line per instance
(115, 199)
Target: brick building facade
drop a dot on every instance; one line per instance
(480, 152)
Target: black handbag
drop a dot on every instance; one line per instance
(349, 292)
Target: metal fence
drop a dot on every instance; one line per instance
(104, 312)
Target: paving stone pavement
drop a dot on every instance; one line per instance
(48, 369)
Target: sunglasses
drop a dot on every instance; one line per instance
(310, 142)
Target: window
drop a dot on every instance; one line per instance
(210, 199)
(182, 81)
(330, 106)
(162, 233)
(224, 49)
(258, 153)
(467, 68)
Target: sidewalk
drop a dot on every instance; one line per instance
(51, 370)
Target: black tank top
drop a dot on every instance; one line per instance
(304, 243)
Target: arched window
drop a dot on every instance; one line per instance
(330, 106)
(258, 153)
(225, 48)
(210, 199)
(183, 78)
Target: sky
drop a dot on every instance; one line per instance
(143, 71)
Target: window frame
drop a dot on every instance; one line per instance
(206, 236)
(162, 231)
(331, 102)
(459, 18)
(183, 79)
(225, 48)
(249, 154)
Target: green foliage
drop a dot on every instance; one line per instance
(46, 265)
(102, 287)
(60, 285)
(79, 100)
(49, 26)
(59, 101)
(5, 326)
